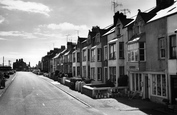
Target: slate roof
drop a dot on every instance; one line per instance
(165, 12)
(110, 31)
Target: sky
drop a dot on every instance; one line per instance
(31, 28)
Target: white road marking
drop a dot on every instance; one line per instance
(13, 78)
(55, 82)
(43, 104)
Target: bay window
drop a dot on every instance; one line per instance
(136, 52)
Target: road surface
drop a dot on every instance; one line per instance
(31, 95)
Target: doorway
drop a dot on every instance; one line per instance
(173, 89)
(146, 86)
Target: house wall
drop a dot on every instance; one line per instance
(154, 31)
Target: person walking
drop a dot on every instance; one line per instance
(1, 76)
(2, 80)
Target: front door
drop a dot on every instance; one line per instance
(106, 74)
(146, 86)
(174, 89)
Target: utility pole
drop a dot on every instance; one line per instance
(9, 63)
(67, 37)
(3, 61)
(77, 32)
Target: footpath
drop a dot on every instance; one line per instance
(114, 106)
(7, 84)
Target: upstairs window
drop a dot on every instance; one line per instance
(118, 30)
(78, 57)
(142, 51)
(74, 57)
(88, 54)
(92, 55)
(161, 48)
(172, 47)
(112, 51)
(97, 38)
(105, 52)
(84, 55)
(99, 54)
(121, 50)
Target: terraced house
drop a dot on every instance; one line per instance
(77, 63)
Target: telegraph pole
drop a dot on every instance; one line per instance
(3, 61)
(115, 4)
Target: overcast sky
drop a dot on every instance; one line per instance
(31, 28)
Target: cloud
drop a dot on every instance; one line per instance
(2, 19)
(48, 34)
(66, 26)
(25, 35)
(3, 39)
(25, 6)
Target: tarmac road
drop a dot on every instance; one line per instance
(28, 94)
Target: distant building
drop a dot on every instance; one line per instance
(20, 65)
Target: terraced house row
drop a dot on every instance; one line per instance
(141, 50)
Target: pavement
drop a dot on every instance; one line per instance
(116, 104)
(8, 82)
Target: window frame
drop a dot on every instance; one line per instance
(142, 49)
(112, 51)
(112, 74)
(99, 73)
(84, 54)
(105, 52)
(156, 84)
(78, 56)
(172, 47)
(161, 46)
(74, 57)
(121, 50)
(93, 55)
(99, 54)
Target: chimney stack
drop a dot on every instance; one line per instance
(164, 3)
